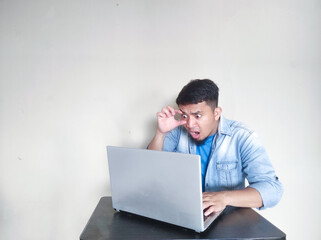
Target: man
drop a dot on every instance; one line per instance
(229, 151)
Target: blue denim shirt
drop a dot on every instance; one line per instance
(236, 154)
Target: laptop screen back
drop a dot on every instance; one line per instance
(161, 185)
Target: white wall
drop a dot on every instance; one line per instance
(78, 75)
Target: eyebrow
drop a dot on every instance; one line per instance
(195, 113)
(198, 112)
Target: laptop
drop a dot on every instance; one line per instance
(164, 186)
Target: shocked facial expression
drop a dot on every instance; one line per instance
(201, 120)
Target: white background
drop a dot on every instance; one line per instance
(76, 76)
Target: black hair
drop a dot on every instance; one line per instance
(197, 91)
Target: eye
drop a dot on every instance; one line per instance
(184, 116)
(198, 115)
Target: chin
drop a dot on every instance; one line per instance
(199, 140)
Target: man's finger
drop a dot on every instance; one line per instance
(161, 115)
(206, 197)
(166, 111)
(206, 205)
(209, 211)
(171, 110)
(181, 122)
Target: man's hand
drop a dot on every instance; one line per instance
(214, 202)
(217, 201)
(166, 119)
(166, 122)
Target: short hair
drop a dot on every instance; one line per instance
(199, 90)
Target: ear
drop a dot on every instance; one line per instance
(217, 113)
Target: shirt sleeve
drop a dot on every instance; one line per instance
(171, 140)
(260, 172)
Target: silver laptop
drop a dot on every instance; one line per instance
(165, 186)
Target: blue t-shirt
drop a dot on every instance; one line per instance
(204, 150)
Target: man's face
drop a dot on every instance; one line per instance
(201, 120)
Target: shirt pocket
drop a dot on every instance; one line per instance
(227, 174)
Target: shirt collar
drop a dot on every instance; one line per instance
(223, 127)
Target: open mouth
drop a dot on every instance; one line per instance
(194, 134)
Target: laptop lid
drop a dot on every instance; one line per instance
(165, 186)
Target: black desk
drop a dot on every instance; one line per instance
(234, 223)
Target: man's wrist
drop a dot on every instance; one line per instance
(160, 134)
(227, 198)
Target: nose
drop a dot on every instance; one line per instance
(190, 122)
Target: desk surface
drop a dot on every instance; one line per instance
(234, 223)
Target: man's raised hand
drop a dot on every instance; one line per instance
(166, 119)
(166, 122)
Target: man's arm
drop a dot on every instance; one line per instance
(157, 142)
(264, 188)
(217, 201)
(165, 123)
(259, 171)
